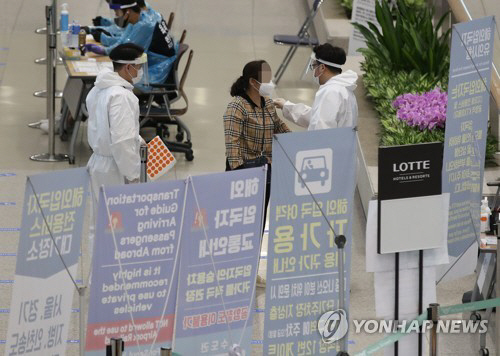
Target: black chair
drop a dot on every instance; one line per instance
(301, 39)
(156, 111)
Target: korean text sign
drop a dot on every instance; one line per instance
(218, 270)
(466, 129)
(134, 282)
(302, 267)
(43, 291)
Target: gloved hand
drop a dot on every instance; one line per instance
(279, 102)
(90, 47)
(97, 32)
(97, 21)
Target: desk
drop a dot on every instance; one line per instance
(74, 67)
(81, 77)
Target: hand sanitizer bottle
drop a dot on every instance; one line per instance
(485, 215)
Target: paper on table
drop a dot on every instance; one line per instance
(91, 67)
(381, 263)
(85, 67)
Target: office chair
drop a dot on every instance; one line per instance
(157, 111)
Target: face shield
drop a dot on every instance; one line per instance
(141, 69)
(118, 12)
(314, 62)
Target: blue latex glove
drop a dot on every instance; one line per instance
(90, 47)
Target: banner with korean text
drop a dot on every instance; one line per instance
(134, 276)
(302, 267)
(42, 299)
(218, 269)
(465, 137)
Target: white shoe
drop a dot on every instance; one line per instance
(35, 125)
(44, 126)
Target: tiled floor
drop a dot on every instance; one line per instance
(224, 36)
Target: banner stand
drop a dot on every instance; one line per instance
(81, 293)
(396, 294)
(496, 337)
(81, 290)
(420, 293)
(340, 241)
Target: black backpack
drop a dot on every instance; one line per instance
(162, 43)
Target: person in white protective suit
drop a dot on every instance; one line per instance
(113, 124)
(335, 103)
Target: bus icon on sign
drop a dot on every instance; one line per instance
(315, 171)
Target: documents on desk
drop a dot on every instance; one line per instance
(91, 67)
(488, 242)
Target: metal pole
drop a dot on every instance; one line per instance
(433, 315)
(340, 241)
(81, 293)
(52, 30)
(117, 347)
(396, 299)
(49, 30)
(420, 295)
(165, 352)
(144, 163)
(497, 290)
(51, 156)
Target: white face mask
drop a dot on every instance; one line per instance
(140, 75)
(316, 78)
(138, 78)
(266, 89)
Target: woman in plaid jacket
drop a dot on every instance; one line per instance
(250, 121)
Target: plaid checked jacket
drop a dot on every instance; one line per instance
(249, 129)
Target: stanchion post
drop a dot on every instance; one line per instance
(144, 163)
(433, 315)
(340, 241)
(165, 352)
(81, 293)
(51, 156)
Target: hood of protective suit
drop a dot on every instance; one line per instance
(347, 79)
(107, 78)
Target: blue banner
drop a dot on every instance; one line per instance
(220, 251)
(302, 268)
(50, 240)
(466, 130)
(134, 274)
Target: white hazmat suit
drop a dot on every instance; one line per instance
(113, 131)
(334, 105)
